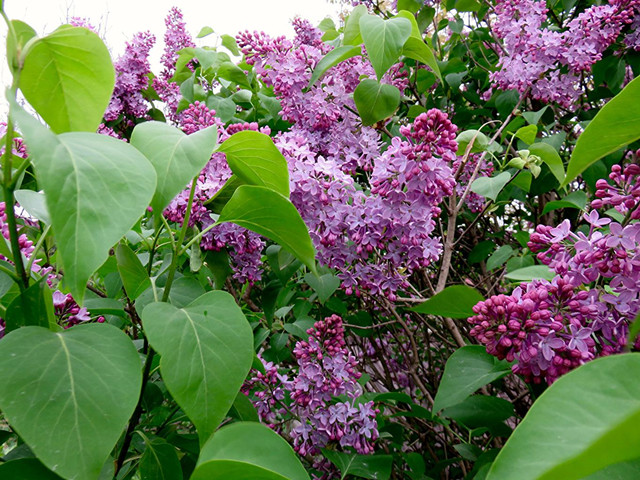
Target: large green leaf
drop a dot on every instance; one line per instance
(375, 101)
(384, 40)
(466, 370)
(331, 59)
(96, 188)
(272, 215)
(69, 394)
(206, 349)
(455, 301)
(68, 78)
(255, 160)
(586, 421)
(351, 33)
(617, 124)
(26, 469)
(176, 157)
(248, 451)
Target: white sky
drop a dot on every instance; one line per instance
(118, 20)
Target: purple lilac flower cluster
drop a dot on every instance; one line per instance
(69, 313)
(314, 417)
(176, 38)
(132, 70)
(552, 327)
(624, 194)
(549, 63)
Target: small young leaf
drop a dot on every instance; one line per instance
(134, 276)
(384, 40)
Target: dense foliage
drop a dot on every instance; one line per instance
(404, 245)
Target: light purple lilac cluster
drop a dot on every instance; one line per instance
(306, 406)
(549, 63)
(132, 70)
(549, 328)
(375, 240)
(176, 38)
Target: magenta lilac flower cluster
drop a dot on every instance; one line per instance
(624, 194)
(549, 63)
(176, 38)
(306, 406)
(69, 313)
(549, 328)
(132, 70)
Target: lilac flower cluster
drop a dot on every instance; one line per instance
(552, 327)
(624, 194)
(314, 417)
(132, 70)
(176, 38)
(549, 63)
(69, 313)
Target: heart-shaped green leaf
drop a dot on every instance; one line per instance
(490, 187)
(96, 188)
(384, 40)
(68, 78)
(272, 215)
(584, 422)
(176, 157)
(81, 384)
(248, 451)
(375, 101)
(466, 370)
(323, 285)
(206, 349)
(255, 160)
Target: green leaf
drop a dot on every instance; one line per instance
(499, 257)
(619, 471)
(175, 156)
(527, 134)
(480, 411)
(222, 196)
(204, 31)
(159, 461)
(577, 199)
(26, 469)
(527, 274)
(587, 420)
(323, 285)
(96, 188)
(248, 451)
(479, 139)
(88, 380)
(207, 350)
(416, 48)
(534, 117)
(409, 5)
(255, 160)
(32, 307)
(376, 467)
(243, 409)
(331, 59)
(617, 124)
(490, 187)
(384, 40)
(231, 72)
(34, 203)
(326, 25)
(68, 78)
(272, 215)
(550, 156)
(134, 276)
(375, 101)
(230, 44)
(455, 301)
(351, 34)
(467, 369)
